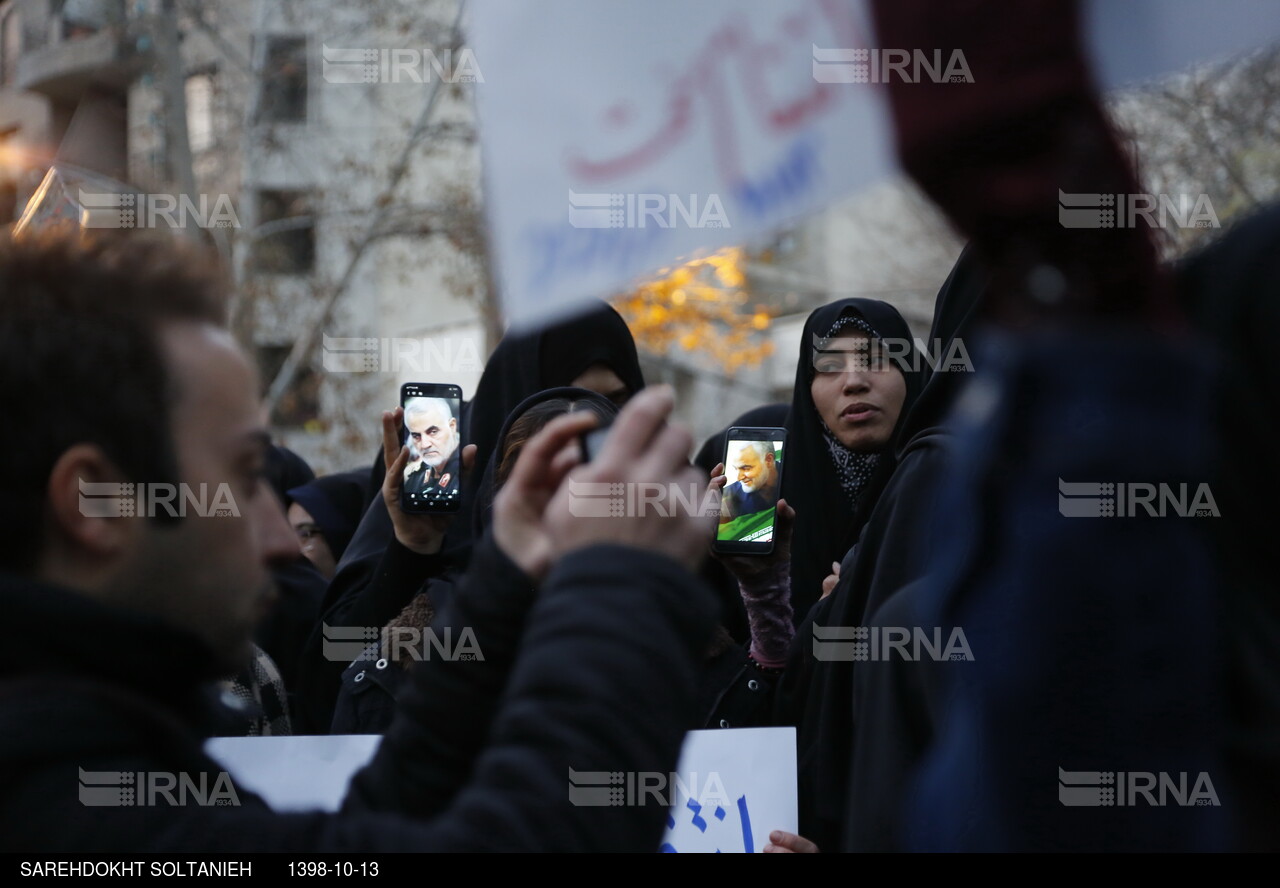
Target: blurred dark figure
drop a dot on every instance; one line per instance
(1231, 292)
(1090, 645)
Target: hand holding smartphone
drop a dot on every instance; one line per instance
(432, 431)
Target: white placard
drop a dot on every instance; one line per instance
(295, 773)
(730, 790)
(620, 137)
(736, 786)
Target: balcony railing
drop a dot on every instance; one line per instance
(61, 47)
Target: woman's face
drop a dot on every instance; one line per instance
(314, 545)
(601, 379)
(857, 392)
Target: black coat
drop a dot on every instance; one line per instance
(367, 699)
(370, 684)
(470, 764)
(395, 577)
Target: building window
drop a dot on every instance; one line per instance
(299, 406)
(285, 241)
(284, 81)
(199, 89)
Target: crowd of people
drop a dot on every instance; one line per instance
(906, 497)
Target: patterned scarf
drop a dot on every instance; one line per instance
(257, 695)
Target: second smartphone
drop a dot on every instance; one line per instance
(753, 458)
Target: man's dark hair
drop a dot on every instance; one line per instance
(80, 360)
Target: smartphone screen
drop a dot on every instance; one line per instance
(433, 433)
(753, 460)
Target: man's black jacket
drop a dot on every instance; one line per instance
(603, 679)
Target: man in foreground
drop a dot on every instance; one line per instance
(123, 616)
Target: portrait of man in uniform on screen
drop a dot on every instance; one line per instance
(747, 505)
(434, 455)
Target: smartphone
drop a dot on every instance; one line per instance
(753, 459)
(432, 430)
(591, 442)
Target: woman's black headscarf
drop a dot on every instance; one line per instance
(827, 510)
(954, 315)
(529, 363)
(285, 470)
(337, 503)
